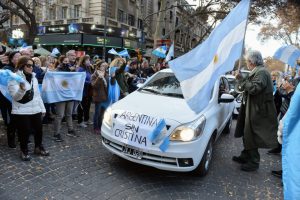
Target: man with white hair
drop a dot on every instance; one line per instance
(27, 51)
(71, 54)
(257, 122)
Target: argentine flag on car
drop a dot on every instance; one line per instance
(63, 86)
(160, 52)
(288, 54)
(198, 70)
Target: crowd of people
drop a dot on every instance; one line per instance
(26, 113)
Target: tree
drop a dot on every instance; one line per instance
(26, 11)
(274, 65)
(211, 12)
(286, 27)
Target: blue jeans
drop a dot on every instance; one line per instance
(97, 117)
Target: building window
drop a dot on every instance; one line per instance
(171, 16)
(163, 31)
(140, 23)
(77, 11)
(122, 16)
(64, 11)
(177, 21)
(131, 20)
(52, 14)
(16, 19)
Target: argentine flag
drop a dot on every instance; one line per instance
(124, 53)
(198, 70)
(288, 54)
(291, 150)
(5, 76)
(113, 51)
(170, 53)
(63, 86)
(160, 52)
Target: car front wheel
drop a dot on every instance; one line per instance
(204, 165)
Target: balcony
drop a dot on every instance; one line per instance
(87, 19)
(59, 22)
(48, 23)
(69, 21)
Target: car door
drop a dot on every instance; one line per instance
(228, 107)
(223, 107)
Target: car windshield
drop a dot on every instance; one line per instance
(163, 83)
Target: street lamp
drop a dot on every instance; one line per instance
(105, 26)
(144, 19)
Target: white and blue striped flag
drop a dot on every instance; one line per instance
(124, 53)
(113, 51)
(170, 53)
(63, 86)
(160, 51)
(198, 70)
(5, 76)
(291, 150)
(288, 54)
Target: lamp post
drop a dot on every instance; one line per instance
(144, 19)
(105, 26)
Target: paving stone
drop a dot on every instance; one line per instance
(81, 168)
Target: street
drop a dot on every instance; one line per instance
(80, 168)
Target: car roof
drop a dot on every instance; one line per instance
(166, 70)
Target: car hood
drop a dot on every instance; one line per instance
(157, 105)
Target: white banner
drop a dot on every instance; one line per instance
(132, 128)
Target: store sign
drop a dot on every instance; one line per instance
(99, 40)
(59, 39)
(17, 34)
(130, 43)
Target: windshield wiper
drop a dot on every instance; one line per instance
(150, 90)
(173, 95)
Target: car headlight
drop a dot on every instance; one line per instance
(190, 131)
(107, 118)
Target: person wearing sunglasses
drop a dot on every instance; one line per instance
(27, 108)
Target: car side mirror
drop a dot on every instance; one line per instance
(139, 85)
(226, 98)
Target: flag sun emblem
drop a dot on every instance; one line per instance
(64, 83)
(216, 58)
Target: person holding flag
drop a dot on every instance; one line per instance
(27, 108)
(257, 122)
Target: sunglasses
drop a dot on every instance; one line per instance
(29, 65)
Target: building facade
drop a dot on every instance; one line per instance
(80, 23)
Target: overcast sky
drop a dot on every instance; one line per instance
(267, 49)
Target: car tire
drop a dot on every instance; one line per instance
(204, 165)
(228, 126)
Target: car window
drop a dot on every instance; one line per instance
(223, 86)
(231, 82)
(226, 84)
(163, 83)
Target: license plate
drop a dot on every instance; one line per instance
(132, 152)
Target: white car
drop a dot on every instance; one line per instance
(190, 135)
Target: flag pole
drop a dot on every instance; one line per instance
(243, 47)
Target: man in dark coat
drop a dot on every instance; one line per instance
(257, 122)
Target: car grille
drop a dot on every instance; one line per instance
(146, 156)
